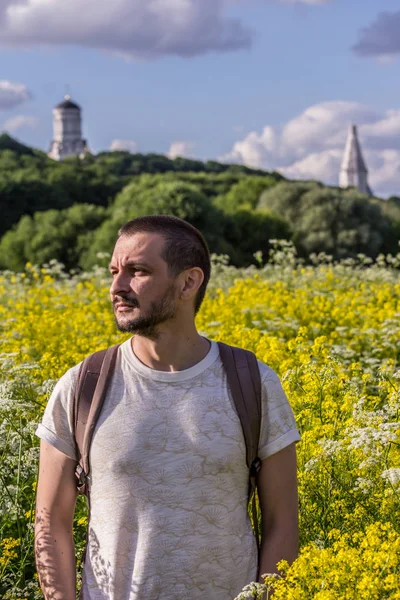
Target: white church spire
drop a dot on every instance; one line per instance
(353, 172)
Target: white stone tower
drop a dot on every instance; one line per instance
(353, 172)
(67, 131)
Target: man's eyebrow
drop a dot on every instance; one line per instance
(131, 263)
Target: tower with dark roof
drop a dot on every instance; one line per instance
(353, 172)
(67, 131)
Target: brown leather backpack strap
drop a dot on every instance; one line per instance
(87, 380)
(93, 379)
(244, 381)
(245, 385)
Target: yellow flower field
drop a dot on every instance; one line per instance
(332, 334)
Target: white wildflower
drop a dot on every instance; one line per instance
(392, 475)
(364, 485)
(47, 387)
(258, 591)
(370, 462)
(370, 438)
(311, 464)
(330, 447)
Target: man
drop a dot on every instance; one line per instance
(169, 480)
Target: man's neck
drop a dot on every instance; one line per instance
(171, 351)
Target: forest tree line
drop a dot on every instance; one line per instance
(72, 210)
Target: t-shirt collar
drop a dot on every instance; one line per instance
(145, 371)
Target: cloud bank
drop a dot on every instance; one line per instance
(181, 148)
(140, 29)
(13, 94)
(381, 38)
(20, 122)
(311, 145)
(125, 145)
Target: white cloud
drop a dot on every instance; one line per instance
(141, 29)
(311, 145)
(126, 145)
(255, 149)
(383, 166)
(384, 171)
(385, 132)
(20, 122)
(323, 166)
(181, 148)
(323, 124)
(12, 94)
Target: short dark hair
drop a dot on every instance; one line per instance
(184, 247)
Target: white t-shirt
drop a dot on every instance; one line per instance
(169, 479)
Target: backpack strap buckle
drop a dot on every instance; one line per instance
(255, 467)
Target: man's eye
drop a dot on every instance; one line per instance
(139, 272)
(132, 270)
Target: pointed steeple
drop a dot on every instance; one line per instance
(353, 172)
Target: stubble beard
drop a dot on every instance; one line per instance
(161, 310)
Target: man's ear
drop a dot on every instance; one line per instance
(193, 278)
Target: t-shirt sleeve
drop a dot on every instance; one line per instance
(278, 426)
(56, 427)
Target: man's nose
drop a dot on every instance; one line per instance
(120, 283)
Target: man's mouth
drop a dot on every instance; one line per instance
(124, 307)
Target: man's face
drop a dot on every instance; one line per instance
(143, 293)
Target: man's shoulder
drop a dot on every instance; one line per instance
(267, 373)
(73, 372)
(68, 380)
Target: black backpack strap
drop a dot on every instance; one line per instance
(94, 376)
(244, 381)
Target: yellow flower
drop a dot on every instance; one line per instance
(330, 332)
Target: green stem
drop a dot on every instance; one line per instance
(32, 534)
(17, 507)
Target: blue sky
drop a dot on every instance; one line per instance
(269, 83)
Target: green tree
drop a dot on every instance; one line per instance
(391, 208)
(22, 194)
(64, 235)
(150, 196)
(9, 143)
(245, 193)
(286, 196)
(250, 231)
(326, 219)
(31, 182)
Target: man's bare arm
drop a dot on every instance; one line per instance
(277, 490)
(55, 506)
